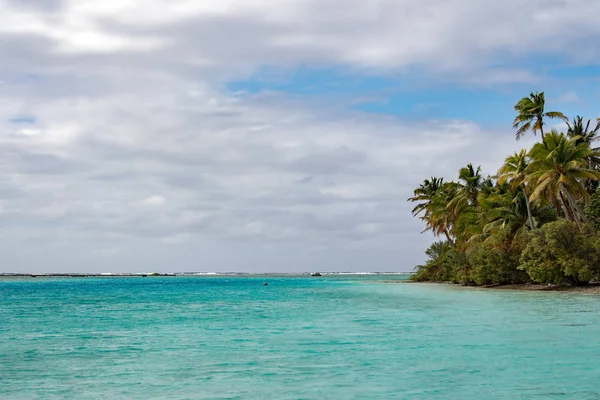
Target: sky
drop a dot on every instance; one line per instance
(262, 136)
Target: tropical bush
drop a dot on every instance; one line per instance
(496, 260)
(441, 263)
(559, 253)
(593, 211)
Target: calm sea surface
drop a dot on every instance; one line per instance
(297, 338)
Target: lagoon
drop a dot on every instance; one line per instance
(300, 337)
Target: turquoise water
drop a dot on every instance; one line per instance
(297, 338)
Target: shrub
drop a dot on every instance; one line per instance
(444, 263)
(558, 253)
(496, 260)
(592, 212)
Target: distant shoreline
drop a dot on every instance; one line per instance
(590, 288)
(188, 274)
(86, 275)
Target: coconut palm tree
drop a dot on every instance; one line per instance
(441, 218)
(531, 114)
(506, 210)
(471, 183)
(462, 203)
(583, 132)
(434, 195)
(558, 170)
(424, 194)
(513, 172)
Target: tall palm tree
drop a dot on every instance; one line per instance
(471, 183)
(506, 210)
(584, 133)
(441, 218)
(463, 204)
(424, 194)
(513, 172)
(433, 196)
(558, 170)
(531, 114)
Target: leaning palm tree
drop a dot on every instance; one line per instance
(558, 170)
(531, 114)
(441, 218)
(433, 196)
(513, 172)
(424, 195)
(506, 211)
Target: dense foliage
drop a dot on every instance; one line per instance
(536, 220)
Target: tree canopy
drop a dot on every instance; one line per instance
(536, 220)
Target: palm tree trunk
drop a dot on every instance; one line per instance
(566, 210)
(572, 215)
(541, 121)
(580, 213)
(528, 208)
(448, 237)
(557, 208)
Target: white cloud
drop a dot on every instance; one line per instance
(568, 97)
(28, 131)
(154, 201)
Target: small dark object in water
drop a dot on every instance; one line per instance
(316, 274)
(144, 276)
(265, 284)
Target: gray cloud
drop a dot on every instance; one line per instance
(36, 5)
(459, 37)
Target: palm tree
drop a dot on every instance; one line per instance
(531, 114)
(508, 209)
(441, 218)
(463, 203)
(558, 170)
(434, 195)
(471, 183)
(513, 172)
(425, 193)
(583, 132)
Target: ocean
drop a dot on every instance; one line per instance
(299, 337)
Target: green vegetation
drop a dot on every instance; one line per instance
(536, 220)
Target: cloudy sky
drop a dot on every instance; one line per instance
(254, 135)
